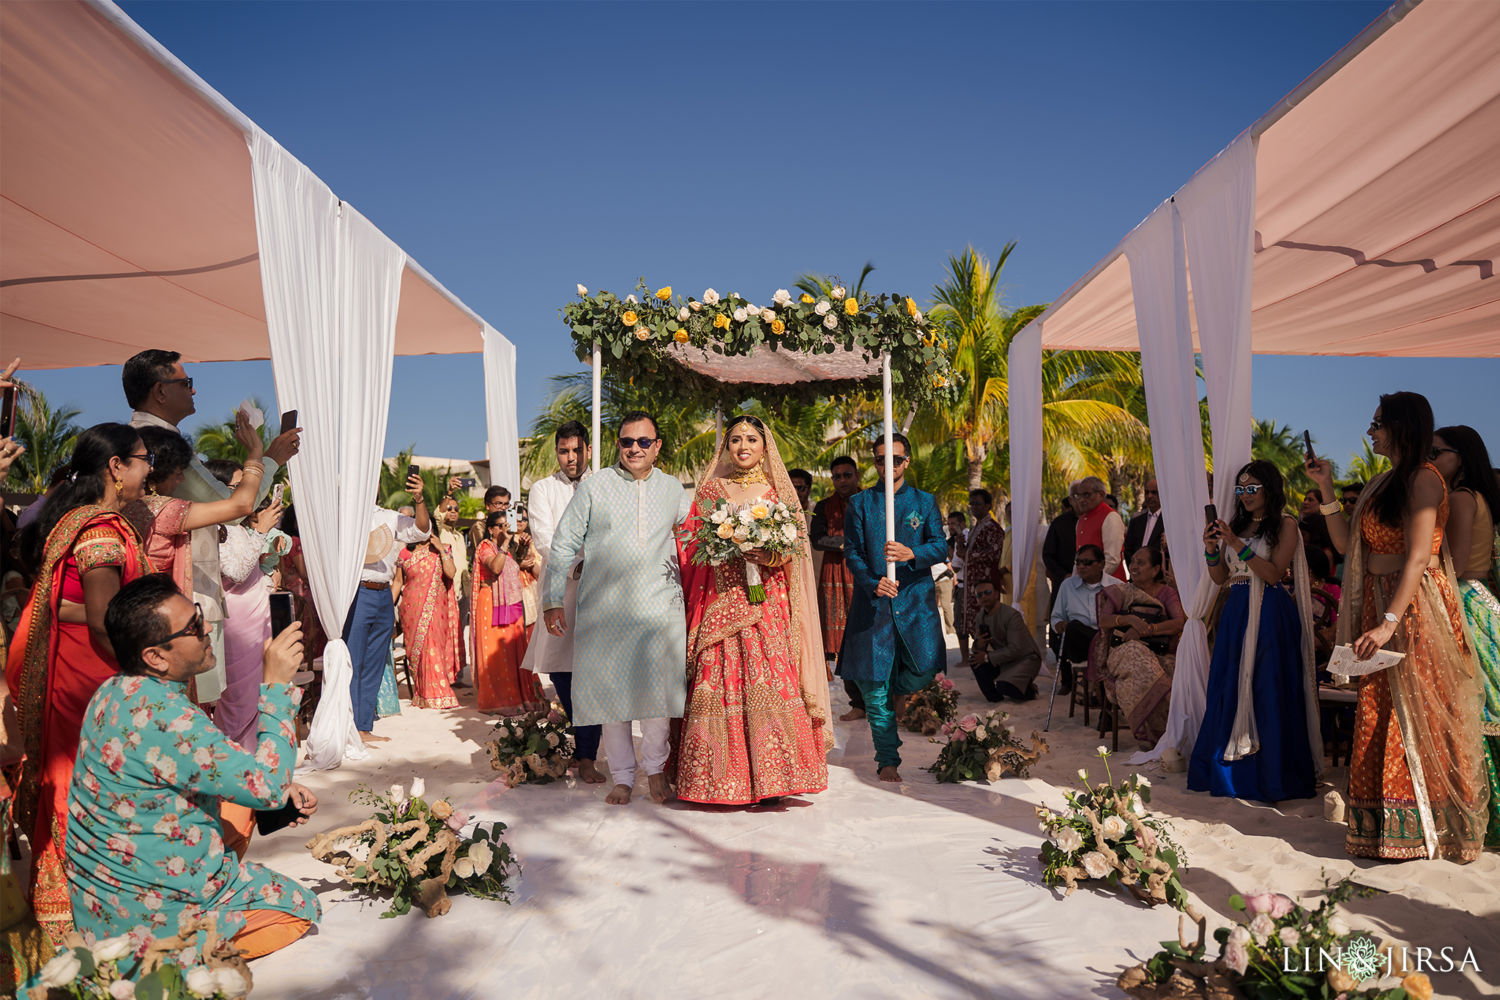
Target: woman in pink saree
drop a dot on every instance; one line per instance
(756, 726)
(429, 621)
(1135, 651)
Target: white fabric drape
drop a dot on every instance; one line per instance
(500, 421)
(1158, 276)
(332, 284)
(1023, 373)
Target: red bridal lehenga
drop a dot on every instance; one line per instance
(756, 725)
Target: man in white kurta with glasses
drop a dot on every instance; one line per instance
(630, 636)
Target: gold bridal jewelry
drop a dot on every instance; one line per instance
(748, 477)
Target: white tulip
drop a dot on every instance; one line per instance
(711, 297)
(112, 949)
(1101, 750)
(62, 970)
(740, 315)
(822, 307)
(768, 314)
(418, 788)
(682, 314)
(838, 292)
(1082, 774)
(200, 981)
(831, 321)
(782, 297)
(582, 291)
(230, 982)
(397, 795)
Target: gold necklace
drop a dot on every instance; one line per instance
(747, 477)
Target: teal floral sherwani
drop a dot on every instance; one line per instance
(144, 847)
(630, 639)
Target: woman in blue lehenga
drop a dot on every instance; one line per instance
(1259, 737)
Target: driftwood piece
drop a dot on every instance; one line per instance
(333, 848)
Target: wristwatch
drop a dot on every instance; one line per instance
(1391, 618)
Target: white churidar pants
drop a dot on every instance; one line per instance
(618, 747)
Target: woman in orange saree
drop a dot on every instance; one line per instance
(429, 622)
(756, 726)
(83, 550)
(499, 627)
(1417, 787)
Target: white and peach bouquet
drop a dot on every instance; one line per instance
(195, 964)
(1107, 835)
(983, 748)
(533, 746)
(729, 530)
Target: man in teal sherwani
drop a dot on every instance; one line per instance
(893, 644)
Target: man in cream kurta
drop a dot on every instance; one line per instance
(630, 636)
(161, 395)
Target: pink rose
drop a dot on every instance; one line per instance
(968, 723)
(1266, 901)
(457, 821)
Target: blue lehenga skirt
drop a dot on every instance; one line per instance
(1283, 767)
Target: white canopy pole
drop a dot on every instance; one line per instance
(890, 463)
(598, 373)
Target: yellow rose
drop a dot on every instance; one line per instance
(851, 306)
(666, 293)
(760, 512)
(681, 336)
(1417, 986)
(778, 327)
(807, 300)
(630, 318)
(442, 809)
(1340, 980)
(725, 530)
(643, 333)
(721, 322)
(911, 307)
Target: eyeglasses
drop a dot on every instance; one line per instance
(1085, 493)
(148, 457)
(641, 443)
(1248, 491)
(895, 459)
(1435, 452)
(1085, 562)
(187, 381)
(196, 627)
(1375, 425)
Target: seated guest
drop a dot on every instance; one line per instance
(1005, 659)
(1075, 612)
(144, 846)
(1136, 651)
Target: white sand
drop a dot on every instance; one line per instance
(867, 890)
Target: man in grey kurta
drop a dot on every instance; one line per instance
(630, 637)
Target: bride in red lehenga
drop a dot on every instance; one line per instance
(756, 726)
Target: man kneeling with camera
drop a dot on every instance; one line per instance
(144, 846)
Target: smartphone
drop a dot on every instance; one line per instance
(1307, 444)
(277, 492)
(289, 421)
(1210, 515)
(281, 611)
(268, 821)
(511, 521)
(411, 470)
(468, 482)
(8, 412)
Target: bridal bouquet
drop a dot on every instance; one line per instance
(417, 851)
(984, 749)
(196, 963)
(532, 747)
(1107, 834)
(730, 530)
(929, 708)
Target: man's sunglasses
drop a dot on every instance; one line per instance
(1085, 562)
(641, 443)
(187, 381)
(195, 627)
(895, 460)
(1248, 491)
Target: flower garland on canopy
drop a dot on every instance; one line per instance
(645, 333)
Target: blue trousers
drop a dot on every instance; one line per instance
(585, 738)
(880, 710)
(367, 633)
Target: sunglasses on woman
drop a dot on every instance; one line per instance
(1433, 454)
(1248, 491)
(641, 443)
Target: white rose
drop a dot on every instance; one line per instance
(1143, 781)
(980, 733)
(682, 314)
(200, 981)
(1239, 935)
(831, 321)
(918, 317)
(122, 989)
(768, 314)
(62, 970)
(418, 788)
(838, 292)
(582, 291)
(789, 532)
(1067, 839)
(481, 855)
(1337, 926)
(230, 982)
(695, 306)
(112, 949)
(822, 307)
(397, 795)
(734, 295)
(711, 297)
(1289, 936)
(740, 315)
(782, 297)
(463, 868)
(1101, 750)
(1114, 828)
(1262, 927)
(1083, 775)
(1095, 864)
(552, 739)
(630, 299)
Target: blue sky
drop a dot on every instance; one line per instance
(517, 149)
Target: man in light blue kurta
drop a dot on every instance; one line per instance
(630, 639)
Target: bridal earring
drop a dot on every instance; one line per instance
(119, 485)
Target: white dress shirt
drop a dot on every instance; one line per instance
(393, 530)
(548, 653)
(1076, 601)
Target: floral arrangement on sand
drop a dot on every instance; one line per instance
(929, 708)
(983, 749)
(730, 530)
(644, 330)
(195, 964)
(1276, 949)
(1107, 835)
(533, 746)
(417, 852)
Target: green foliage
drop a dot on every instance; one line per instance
(218, 440)
(1365, 465)
(532, 747)
(47, 434)
(392, 489)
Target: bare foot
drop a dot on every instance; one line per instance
(588, 773)
(372, 738)
(899, 704)
(889, 773)
(661, 789)
(852, 714)
(619, 795)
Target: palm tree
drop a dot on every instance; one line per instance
(47, 435)
(217, 440)
(1283, 448)
(1365, 465)
(392, 488)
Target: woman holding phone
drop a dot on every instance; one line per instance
(1417, 786)
(500, 627)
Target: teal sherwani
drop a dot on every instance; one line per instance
(630, 632)
(892, 645)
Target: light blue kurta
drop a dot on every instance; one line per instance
(630, 636)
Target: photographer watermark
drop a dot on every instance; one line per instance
(1363, 960)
